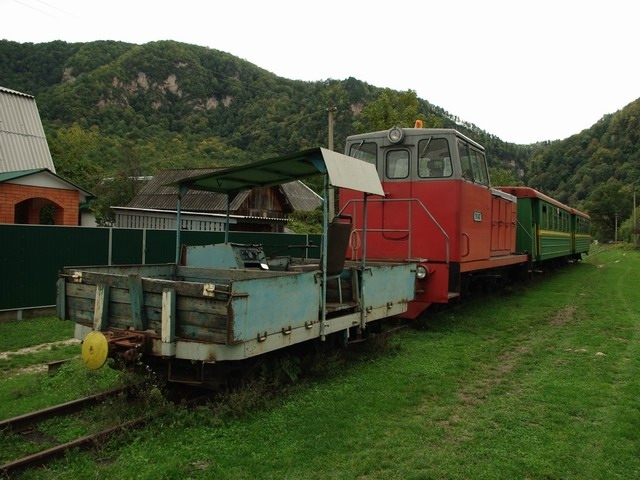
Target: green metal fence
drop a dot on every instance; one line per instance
(32, 255)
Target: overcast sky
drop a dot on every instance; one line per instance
(525, 71)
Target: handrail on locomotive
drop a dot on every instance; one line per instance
(409, 201)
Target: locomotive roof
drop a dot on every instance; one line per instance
(422, 132)
(343, 171)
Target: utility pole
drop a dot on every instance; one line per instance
(330, 111)
(635, 227)
(634, 231)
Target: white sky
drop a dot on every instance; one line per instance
(522, 70)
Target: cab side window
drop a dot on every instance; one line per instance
(473, 164)
(479, 166)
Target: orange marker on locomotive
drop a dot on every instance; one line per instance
(439, 210)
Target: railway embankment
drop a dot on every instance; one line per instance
(538, 381)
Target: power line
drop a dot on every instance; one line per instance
(54, 7)
(36, 9)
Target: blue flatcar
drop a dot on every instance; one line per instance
(227, 302)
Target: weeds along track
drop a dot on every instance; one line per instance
(28, 425)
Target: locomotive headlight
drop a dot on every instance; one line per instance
(395, 135)
(421, 272)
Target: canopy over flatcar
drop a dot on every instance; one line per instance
(339, 171)
(342, 171)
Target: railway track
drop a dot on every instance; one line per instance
(28, 423)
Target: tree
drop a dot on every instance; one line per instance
(121, 186)
(113, 192)
(503, 177)
(71, 150)
(391, 108)
(608, 205)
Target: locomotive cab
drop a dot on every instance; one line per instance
(439, 209)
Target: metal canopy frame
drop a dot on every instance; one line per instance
(339, 171)
(343, 171)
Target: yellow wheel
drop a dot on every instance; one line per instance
(94, 350)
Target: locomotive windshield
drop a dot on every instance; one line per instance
(397, 164)
(365, 151)
(435, 159)
(422, 154)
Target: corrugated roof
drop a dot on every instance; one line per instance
(8, 90)
(301, 197)
(159, 194)
(23, 144)
(221, 216)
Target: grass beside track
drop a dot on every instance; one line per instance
(26, 346)
(539, 382)
(18, 334)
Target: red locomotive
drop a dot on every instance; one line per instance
(439, 210)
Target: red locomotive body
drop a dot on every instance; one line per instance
(438, 209)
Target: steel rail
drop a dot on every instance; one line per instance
(42, 457)
(21, 422)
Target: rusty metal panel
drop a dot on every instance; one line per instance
(385, 283)
(273, 305)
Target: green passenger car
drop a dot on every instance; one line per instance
(581, 228)
(548, 230)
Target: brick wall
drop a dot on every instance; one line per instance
(65, 201)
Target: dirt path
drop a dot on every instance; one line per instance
(38, 348)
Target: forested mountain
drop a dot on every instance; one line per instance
(119, 110)
(595, 170)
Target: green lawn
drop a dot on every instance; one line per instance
(535, 383)
(18, 334)
(27, 346)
